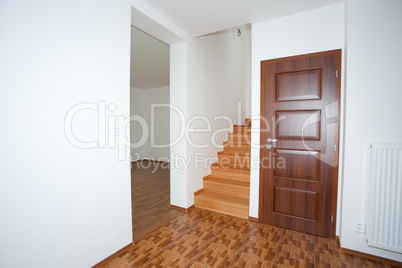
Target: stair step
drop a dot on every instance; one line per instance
(241, 126)
(230, 165)
(234, 151)
(241, 129)
(233, 154)
(239, 150)
(231, 174)
(237, 144)
(239, 189)
(229, 205)
(240, 137)
(238, 161)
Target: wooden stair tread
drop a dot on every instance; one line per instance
(240, 137)
(236, 145)
(227, 187)
(227, 181)
(231, 170)
(229, 166)
(242, 145)
(239, 147)
(231, 153)
(238, 151)
(238, 161)
(240, 133)
(231, 201)
(235, 171)
(237, 128)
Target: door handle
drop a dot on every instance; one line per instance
(271, 140)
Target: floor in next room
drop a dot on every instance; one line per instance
(150, 196)
(201, 238)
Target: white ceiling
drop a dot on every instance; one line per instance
(150, 57)
(149, 61)
(200, 17)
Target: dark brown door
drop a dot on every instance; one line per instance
(299, 168)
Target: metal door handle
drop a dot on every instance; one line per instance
(271, 140)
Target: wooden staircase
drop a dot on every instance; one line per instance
(227, 189)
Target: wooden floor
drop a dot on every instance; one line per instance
(208, 239)
(150, 191)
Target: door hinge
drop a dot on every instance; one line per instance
(334, 147)
(336, 73)
(332, 218)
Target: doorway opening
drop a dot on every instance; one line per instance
(149, 133)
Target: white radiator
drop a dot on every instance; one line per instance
(386, 197)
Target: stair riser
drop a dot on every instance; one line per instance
(238, 143)
(244, 134)
(237, 146)
(226, 189)
(232, 171)
(242, 128)
(231, 150)
(216, 173)
(222, 207)
(233, 156)
(240, 134)
(236, 161)
(238, 138)
(232, 166)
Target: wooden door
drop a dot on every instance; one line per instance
(299, 173)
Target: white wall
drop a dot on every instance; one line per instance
(61, 206)
(159, 123)
(247, 67)
(137, 126)
(157, 133)
(217, 81)
(373, 108)
(149, 61)
(308, 32)
(179, 192)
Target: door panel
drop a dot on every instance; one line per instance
(306, 205)
(298, 85)
(300, 102)
(306, 164)
(290, 126)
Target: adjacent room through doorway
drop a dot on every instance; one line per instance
(149, 133)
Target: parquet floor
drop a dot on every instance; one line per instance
(206, 239)
(150, 196)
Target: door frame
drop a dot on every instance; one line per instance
(338, 82)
